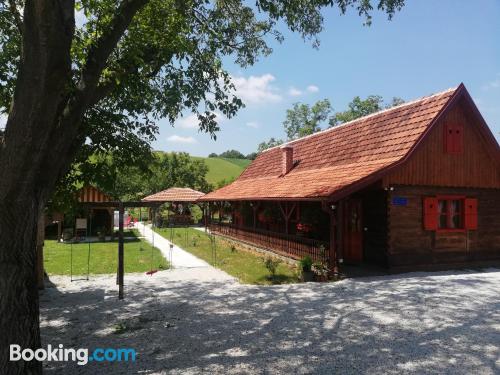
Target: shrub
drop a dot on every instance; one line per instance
(272, 264)
(306, 264)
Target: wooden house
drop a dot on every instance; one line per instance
(416, 186)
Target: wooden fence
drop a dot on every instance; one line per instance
(290, 246)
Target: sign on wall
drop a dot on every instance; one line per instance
(399, 201)
(81, 223)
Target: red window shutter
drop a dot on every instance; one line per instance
(448, 138)
(470, 213)
(453, 138)
(458, 139)
(430, 213)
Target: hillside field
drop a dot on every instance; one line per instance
(221, 168)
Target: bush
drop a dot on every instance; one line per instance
(272, 264)
(306, 264)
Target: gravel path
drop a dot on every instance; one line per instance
(190, 322)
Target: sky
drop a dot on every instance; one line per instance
(428, 47)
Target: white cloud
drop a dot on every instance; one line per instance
(294, 92)
(188, 122)
(253, 124)
(312, 88)
(256, 89)
(191, 121)
(179, 139)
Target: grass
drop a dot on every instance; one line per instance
(222, 168)
(246, 266)
(103, 257)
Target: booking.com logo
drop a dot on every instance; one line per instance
(80, 356)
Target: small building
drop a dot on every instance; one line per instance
(416, 186)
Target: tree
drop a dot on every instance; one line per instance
(69, 88)
(232, 154)
(271, 143)
(304, 120)
(359, 108)
(213, 155)
(395, 102)
(251, 156)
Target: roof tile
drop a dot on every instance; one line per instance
(333, 159)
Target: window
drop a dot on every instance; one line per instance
(450, 213)
(453, 138)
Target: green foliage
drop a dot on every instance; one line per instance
(304, 120)
(306, 263)
(132, 182)
(213, 155)
(232, 154)
(362, 107)
(251, 156)
(269, 144)
(272, 264)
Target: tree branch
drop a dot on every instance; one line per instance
(17, 16)
(102, 49)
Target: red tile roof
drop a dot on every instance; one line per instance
(334, 159)
(175, 195)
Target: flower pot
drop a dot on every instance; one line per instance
(307, 276)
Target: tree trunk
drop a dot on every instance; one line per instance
(35, 151)
(42, 135)
(19, 321)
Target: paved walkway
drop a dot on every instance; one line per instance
(180, 258)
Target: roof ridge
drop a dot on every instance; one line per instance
(365, 117)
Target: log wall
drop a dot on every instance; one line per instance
(409, 244)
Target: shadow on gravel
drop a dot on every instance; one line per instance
(422, 323)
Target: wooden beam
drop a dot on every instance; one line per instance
(332, 209)
(121, 211)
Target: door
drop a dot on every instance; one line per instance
(353, 231)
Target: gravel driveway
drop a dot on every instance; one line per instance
(195, 321)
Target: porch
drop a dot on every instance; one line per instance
(349, 232)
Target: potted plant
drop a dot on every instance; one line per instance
(306, 268)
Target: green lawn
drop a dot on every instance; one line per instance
(247, 266)
(103, 257)
(221, 168)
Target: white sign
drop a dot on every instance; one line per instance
(81, 223)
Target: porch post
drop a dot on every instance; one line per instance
(340, 230)
(120, 250)
(254, 208)
(333, 242)
(332, 209)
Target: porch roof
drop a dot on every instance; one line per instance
(175, 195)
(338, 160)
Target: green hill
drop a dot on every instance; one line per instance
(221, 168)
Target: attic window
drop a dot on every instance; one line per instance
(453, 138)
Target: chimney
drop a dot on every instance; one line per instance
(286, 159)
